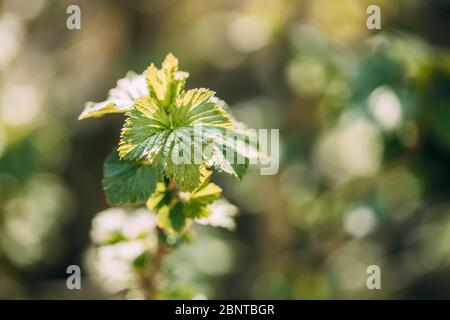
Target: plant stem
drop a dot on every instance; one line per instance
(149, 278)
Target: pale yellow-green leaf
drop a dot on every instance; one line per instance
(166, 83)
(120, 99)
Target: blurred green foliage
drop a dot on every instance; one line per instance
(365, 143)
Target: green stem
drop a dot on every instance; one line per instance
(149, 278)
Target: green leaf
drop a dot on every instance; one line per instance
(177, 217)
(206, 194)
(158, 198)
(120, 99)
(128, 182)
(199, 107)
(197, 205)
(174, 212)
(186, 176)
(172, 218)
(231, 152)
(199, 124)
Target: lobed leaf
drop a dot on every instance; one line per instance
(128, 182)
(196, 205)
(199, 124)
(120, 99)
(166, 83)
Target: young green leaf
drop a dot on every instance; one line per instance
(159, 198)
(172, 218)
(169, 202)
(197, 204)
(128, 182)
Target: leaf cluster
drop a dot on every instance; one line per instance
(165, 123)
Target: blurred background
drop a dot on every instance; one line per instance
(364, 119)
